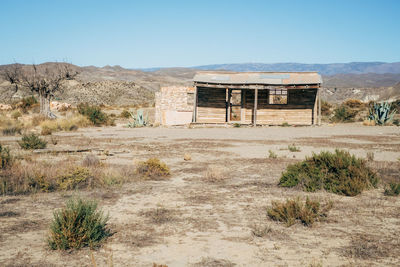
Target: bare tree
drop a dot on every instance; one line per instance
(44, 80)
(12, 74)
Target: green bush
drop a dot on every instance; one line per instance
(294, 148)
(93, 113)
(32, 141)
(339, 173)
(295, 210)
(78, 225)
(344, 114)
(272, 154)
(5, 157)
(393, 189)
(153, 168)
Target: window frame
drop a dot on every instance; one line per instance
(278, 92)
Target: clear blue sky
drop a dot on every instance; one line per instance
(138, 34)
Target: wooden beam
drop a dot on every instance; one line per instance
(255, 106)
(319, 106)
(258, 86)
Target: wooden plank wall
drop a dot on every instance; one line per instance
(211, 106)
(298, 111)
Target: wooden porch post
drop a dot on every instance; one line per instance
(194, 119)
(228, 105)
(255, 106)
(319, 106)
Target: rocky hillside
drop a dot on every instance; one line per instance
(107, 85)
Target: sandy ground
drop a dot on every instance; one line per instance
(188, 221)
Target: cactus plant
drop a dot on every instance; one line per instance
(139, 120)
(381, 113)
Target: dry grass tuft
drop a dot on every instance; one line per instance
(295, 210)
(369, 123)
(153, 168)
(24, 177)
(70, 123)
(159, 215)
(260, 230)
(363, 246)
(91, 160)
(392, 189)
(9, 214)
(211, 262)
(215, 174)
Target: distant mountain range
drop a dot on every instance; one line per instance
(324, 69)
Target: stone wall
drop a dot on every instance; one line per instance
(174, 105)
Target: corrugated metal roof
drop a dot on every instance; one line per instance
(272, 78)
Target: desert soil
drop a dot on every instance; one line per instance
(187, 220)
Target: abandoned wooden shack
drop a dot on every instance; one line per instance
(265, 98)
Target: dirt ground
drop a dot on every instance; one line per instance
(188, 220)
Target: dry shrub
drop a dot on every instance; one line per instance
(125, 114)
(326, 108)
(159, 215)
(38, 119)
(78, 225)
(364, 246)
(260, 230)
(187, 157)
(211, 262)
(91, 160)
(295, 210)
(370, 156)
(215, 174)
(369, 123)
(5, 157)
(27, 103)
(10, 127)
(75, 178)
(16, 114)
(153, 168)
(354, 103)
(159, 265)
(339, 173)
(344, 114)
(392, 189)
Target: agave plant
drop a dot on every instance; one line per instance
(381, 113)
(139, 120)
